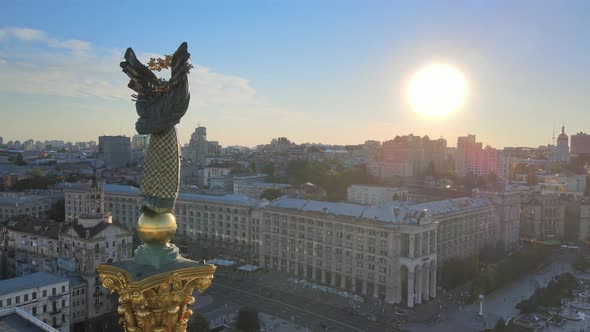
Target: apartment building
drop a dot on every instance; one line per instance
(386, 253)
(374, 195)
(465, 226)
(542, 217)
(44, 295)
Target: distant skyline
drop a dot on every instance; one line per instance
(332, 72)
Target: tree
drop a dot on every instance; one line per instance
(20, 161)
(247, 320)
(37, 172)
(500, 325)
(269, 169)
(199, 323)
(271, 194)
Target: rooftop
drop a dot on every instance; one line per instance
(17, 320)
(29, 281)
(385, 213)
(36, 226)
(453, 205)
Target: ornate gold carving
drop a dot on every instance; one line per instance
(157, 303)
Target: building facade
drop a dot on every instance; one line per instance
(580, 144)
(374, 195)
(542, 217)
(115, 150)
(465, 226)
(563, 150)
(378, 252)
(45, 296)
(471, 158)
(390, 169)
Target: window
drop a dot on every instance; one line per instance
(63, 303)
(26, 297)
(45, 308)
(8, 302)
(44, 293)
(53, 291)
(34, 295)
(17, 299)
(1, 304)
(63, 289)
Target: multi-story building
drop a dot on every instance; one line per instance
(542, 217)
(390, 169)
(254, 190)
(470, 157)
(89, 240)
(215, 170)
(422, 153)
(140, 142)
(81, 198)
(580, 144)
(585, 220)
(115, 150)
(506, 205)
(375, 251)
(563, 150)
(561, 184)
(32, 205)
(221, 224)
(374, 195)
(44, 295)
(32, 244)
(465, 226)
(124, 203)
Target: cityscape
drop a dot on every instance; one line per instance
(431, 218)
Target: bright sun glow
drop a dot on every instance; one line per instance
(437, 90)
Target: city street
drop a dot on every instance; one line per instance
(230, 295)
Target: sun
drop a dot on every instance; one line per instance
(437, 90)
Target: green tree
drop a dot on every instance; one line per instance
(270, 194)
(20, 161)
(37, 172)
(247, 320)
(500, 325)
(199, 323)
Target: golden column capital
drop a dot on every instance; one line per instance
(156, 302)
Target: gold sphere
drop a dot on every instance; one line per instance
(157, 229)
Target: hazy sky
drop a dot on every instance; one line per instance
(313, 71)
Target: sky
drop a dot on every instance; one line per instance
(334, 72)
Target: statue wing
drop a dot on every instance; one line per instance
(142, 80)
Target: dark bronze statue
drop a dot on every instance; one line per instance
(160, 105)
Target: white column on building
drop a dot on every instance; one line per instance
(364, 285)
(375, 290)
(433, 279)
(411, 287)
(426, 282)
(313, 270)
(411, 239)
(342, 280)
(418, 285)
(323, 275)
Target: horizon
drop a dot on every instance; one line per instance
(334, 73)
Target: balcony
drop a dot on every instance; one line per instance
(54, 297)
(55, 311)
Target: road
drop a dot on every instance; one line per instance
(230, 294)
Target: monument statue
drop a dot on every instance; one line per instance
(156, 286)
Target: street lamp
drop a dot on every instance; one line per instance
(480, 313)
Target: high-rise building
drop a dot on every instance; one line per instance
(470, 157)
(198, 147)
(115, 150)
(423, 153)
(140, 142)
(580, 144)
(563, 150)
(1, 140)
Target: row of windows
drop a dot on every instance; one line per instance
(31, 296)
